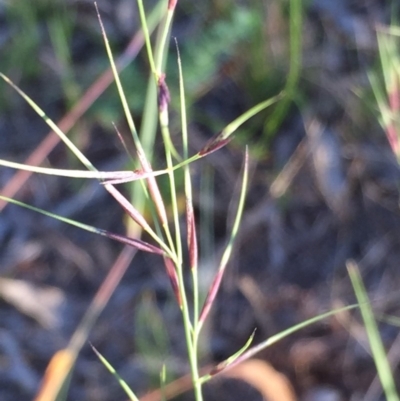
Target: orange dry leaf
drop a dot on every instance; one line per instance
(274, 386)
(56, 373)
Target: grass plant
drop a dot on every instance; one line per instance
(171, 248)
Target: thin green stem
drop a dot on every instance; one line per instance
(164, 36)
(295, 46)
(146, 36)
(188, 194)
(191, 337)
(174, 201)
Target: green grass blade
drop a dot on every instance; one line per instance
(296, 25)
(120, 380)
(145, 29)
(230, 361)
(224, 136)
(85, 161)
(377, 348)
(126, 240)
(285, 333)
(214, 287)
(120, 88)
(165, 34)
(239, 212)
(234, 125)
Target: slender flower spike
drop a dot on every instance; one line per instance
(128, 207)
(136, 243)
(191, 234)
(163, 100)
(211, 295)
(218, 141)
(173, 277)
(163, 94)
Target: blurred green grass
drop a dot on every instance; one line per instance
(54, 48)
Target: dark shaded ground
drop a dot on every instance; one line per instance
(324, 190)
